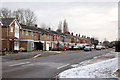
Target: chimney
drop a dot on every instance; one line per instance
(79, 35)
(76, 34)
(69, 33)
(35, 25)
(72, 33)
(49, 29)
(82, 36)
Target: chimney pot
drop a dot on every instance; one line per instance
(72, 33)
(68, 32)
(79, 35)
(49, 29)
(76, 34)
(35, 25)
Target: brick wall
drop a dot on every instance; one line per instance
(29, 36)
(46, 37)
(4, 44)
(11, 34)
(4, 32)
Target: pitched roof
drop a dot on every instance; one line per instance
(43, 30)
(7, 21)
(28, 27)
(34, 28)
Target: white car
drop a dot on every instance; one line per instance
(103, 47)
(93, 47)
(98, 47)
(87, 48)
(75, 47)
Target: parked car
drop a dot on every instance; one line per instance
(103, 47)
(60, 48)
(113, 47)
(98, 47)
(92, 46)
(65, 47)
(87, 48)
(75, 47)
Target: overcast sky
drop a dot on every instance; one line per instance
(94, 19)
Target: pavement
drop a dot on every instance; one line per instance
(45, 67)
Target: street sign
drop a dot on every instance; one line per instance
(117, 46)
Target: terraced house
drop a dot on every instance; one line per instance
(16, 36)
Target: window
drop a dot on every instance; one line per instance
(26, 33)
(44, 35)
(22, 32)
(11, 30)
(16, 44)
(31, 33)
(35, 34)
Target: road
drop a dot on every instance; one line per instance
(46, 67)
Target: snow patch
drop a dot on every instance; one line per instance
(103, 69)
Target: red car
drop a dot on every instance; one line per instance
(65, 47)
(113, 47)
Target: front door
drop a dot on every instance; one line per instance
(29, 46)
(16, 45)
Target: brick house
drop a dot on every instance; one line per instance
(10, 34)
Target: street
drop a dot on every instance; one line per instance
(46, 67)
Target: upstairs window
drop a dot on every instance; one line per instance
(26, 33)
(31, 33)
(44, 35)
(35, 34)
(11, 29)
(22, 32)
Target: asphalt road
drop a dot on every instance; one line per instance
(42, 68)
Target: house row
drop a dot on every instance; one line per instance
(15, 36)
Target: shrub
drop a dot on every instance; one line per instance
(22, 49)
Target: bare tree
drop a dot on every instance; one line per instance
(19, 14)
(5, 13)
(59, 27)
(65, 27)
(25, 16)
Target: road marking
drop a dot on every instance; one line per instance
(37, 55)
(63, 66)
(32, 64)
(19, 64)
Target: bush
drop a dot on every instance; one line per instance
(81, 48)
(22, 49)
